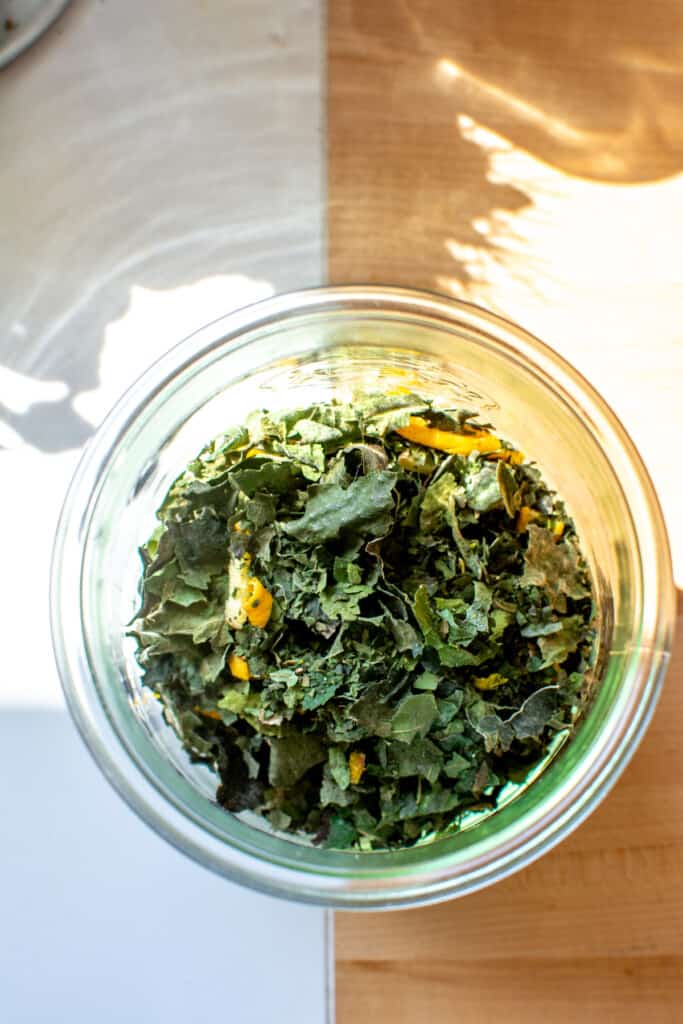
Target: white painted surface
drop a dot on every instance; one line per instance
(105, 923)
(595, 271)
(161, 165)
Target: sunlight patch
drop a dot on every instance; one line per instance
(154, 322)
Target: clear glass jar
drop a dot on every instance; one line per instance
(312, 345)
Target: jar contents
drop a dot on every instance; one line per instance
(368, 618)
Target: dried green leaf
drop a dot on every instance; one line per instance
(292, 756)
(509, 490)
(413, 717)
(419, 757)
(263, 475)
(426, 681)
(364, 508)
(339, 766)
(557, 646)
(480, 484)
(535, 713)
(554, 567)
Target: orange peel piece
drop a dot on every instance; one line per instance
(419, 431)
(206, 714)
(258, 603)
(356, 766)
(525, 516)
(491, 682)
(238, 667)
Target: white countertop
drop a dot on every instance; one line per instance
(161, 165)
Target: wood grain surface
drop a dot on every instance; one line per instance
(528, 157)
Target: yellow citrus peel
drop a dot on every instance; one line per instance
(253, 452)
(525, 516)
(419, 431)
(356, 766)
(258, 603)
(206, 714)
(249, 600)
(491, 682)
(239, 667)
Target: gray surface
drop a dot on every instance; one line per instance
(103, 922)
(161, 165)
(151, 146)
(24, 21)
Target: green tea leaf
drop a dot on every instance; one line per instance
(331, 793)
(201, 545)
(320, 693)
(509, 490)
(308, 430)
(558, 645)
(419, 757)
(363, 508)
(481, 487)
(437, 503)
(292, 756)
(373, 715)
(554, 567)
(339, 767)
(380, 414)
(341, 834)
(413, 717)
(426, 681)
(535, 713)
(455, 766)
(262, 475)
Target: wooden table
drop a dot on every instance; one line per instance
(527, 156)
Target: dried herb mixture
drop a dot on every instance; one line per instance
(368, 617)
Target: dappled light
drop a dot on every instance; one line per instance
(530, 163)
(155, 321)
(594, 269)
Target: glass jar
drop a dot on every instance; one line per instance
(286, 352)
